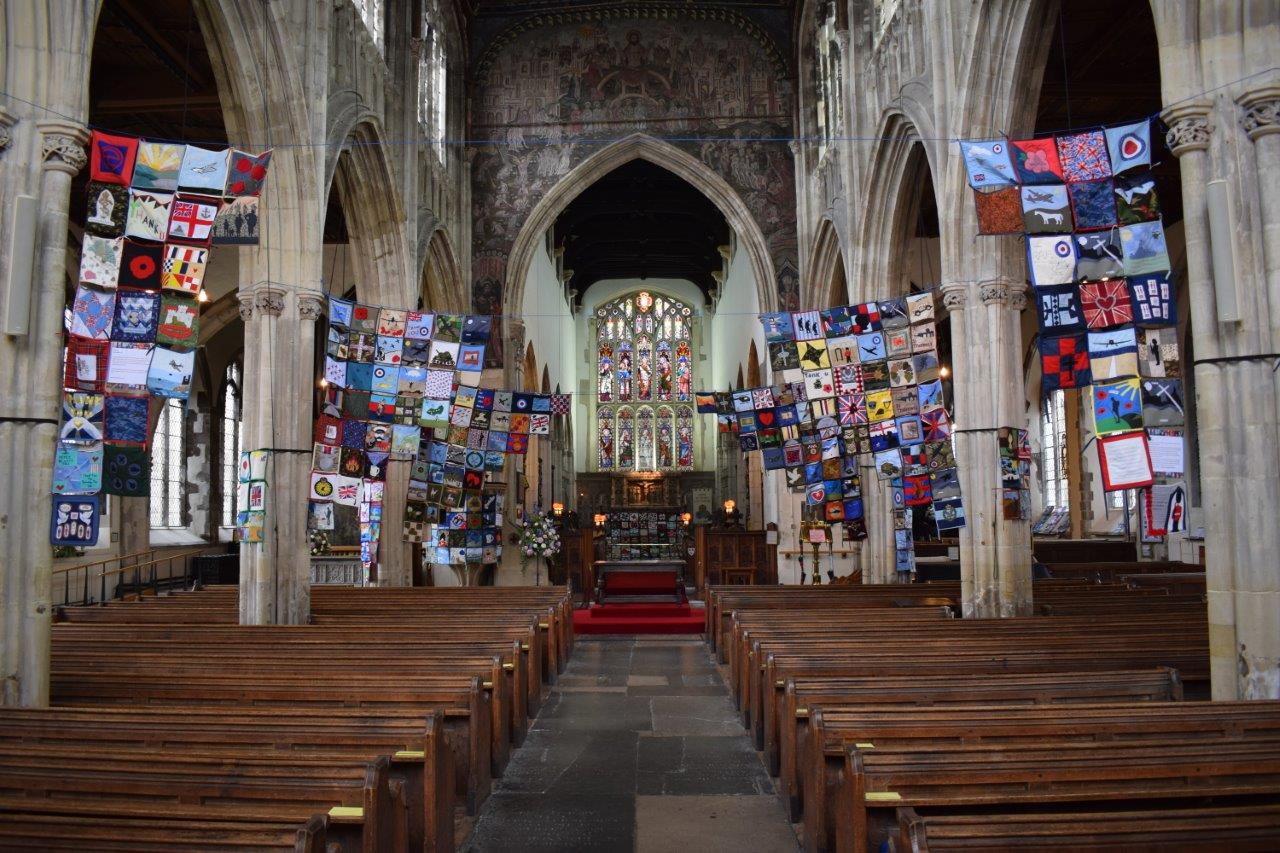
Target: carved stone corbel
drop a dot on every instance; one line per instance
(63, 144)
(311, 305)
(1261, 111)
(955, 297)
(246, 306)
(7, 120)
(1189, 128)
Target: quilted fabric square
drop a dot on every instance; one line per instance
(1136, 199)
(157, 166)
(140, 264)
(86, 365)
(1153, 299)
(100, 260)
(82, 418)
(1113, 354)
(1129, 145)
(203, 169)
(106, 209)
(1046, 209)
(987, 162)
(1145, 250)
(148, 217)
(246, 172)
(126, 420)
(1093, 204)
(1117, 406)
(936, 425)
(111, 158)
(1037, 161)
(999, 211)
(353, 433)
(92, 313)
(179, 326)
(77, 469)
(1098, 255)
(1058, 310)
(183, 268)
(1084, 156)
(1106, 303)
(1051, 259)
(1064, 362)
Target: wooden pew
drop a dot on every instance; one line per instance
(959, 757)
(787, 718)
(420, 760)
(74, 830)
(1236, 828)
(367, 813)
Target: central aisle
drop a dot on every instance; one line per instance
(637, 749)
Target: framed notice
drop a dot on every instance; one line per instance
(1126, 461)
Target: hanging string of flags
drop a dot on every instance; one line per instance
(154, 209)
(1088, 206)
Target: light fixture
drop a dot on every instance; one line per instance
(599, 518)
(730, 505)
(686, 517)
(557, 508)
(202, 296)
(324, 383)
(944, 371)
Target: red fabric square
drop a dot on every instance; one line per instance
(1106, 303)
(86, 365)
(1037, 160)
(111, 158)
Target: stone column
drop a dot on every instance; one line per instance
(395, 556)
(513, 380)
(31, 403)
(275, 575)
(995, 554)
(1237, 397)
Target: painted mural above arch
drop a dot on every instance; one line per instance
(560, 88)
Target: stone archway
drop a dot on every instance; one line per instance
(375, 215)
(827, 279)
(442, 286)
(667, 156)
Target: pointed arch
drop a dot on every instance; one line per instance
(639, 147)
(442, 287)
(366, 184)
(900, 163)
(827, 280)
(753, 366)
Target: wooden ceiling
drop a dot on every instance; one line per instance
(1104, 68)
(641, 221)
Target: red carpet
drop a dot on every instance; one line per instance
(639, 619)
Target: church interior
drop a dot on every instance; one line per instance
(635, 425)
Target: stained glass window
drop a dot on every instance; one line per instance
(645, 355)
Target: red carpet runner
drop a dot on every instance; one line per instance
(639, 619)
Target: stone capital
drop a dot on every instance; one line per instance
(246, 305)
(63, 145)
(1003, 292)
(311, 305)
(1189, 127)
(7, 120)
(267, 298)
(955, 296)
(515, 335)
(1261, 111)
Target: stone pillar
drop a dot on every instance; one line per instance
(395, 556)
(1237, 395)
(279, 333)
(995, 554)
(877, 507)
(509, 569)
(31, 405)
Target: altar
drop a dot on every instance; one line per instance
(631, 581)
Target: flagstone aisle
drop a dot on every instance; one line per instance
(637, 749)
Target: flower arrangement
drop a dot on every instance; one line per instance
(538, 536)
(539, 539)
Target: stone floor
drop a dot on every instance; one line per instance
(637, 749)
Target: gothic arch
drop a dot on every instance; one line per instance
(442, 285)
(363, 177)
(900, 160)
(639, 147)
(827, 271)
(754, 379)
(529, 380)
